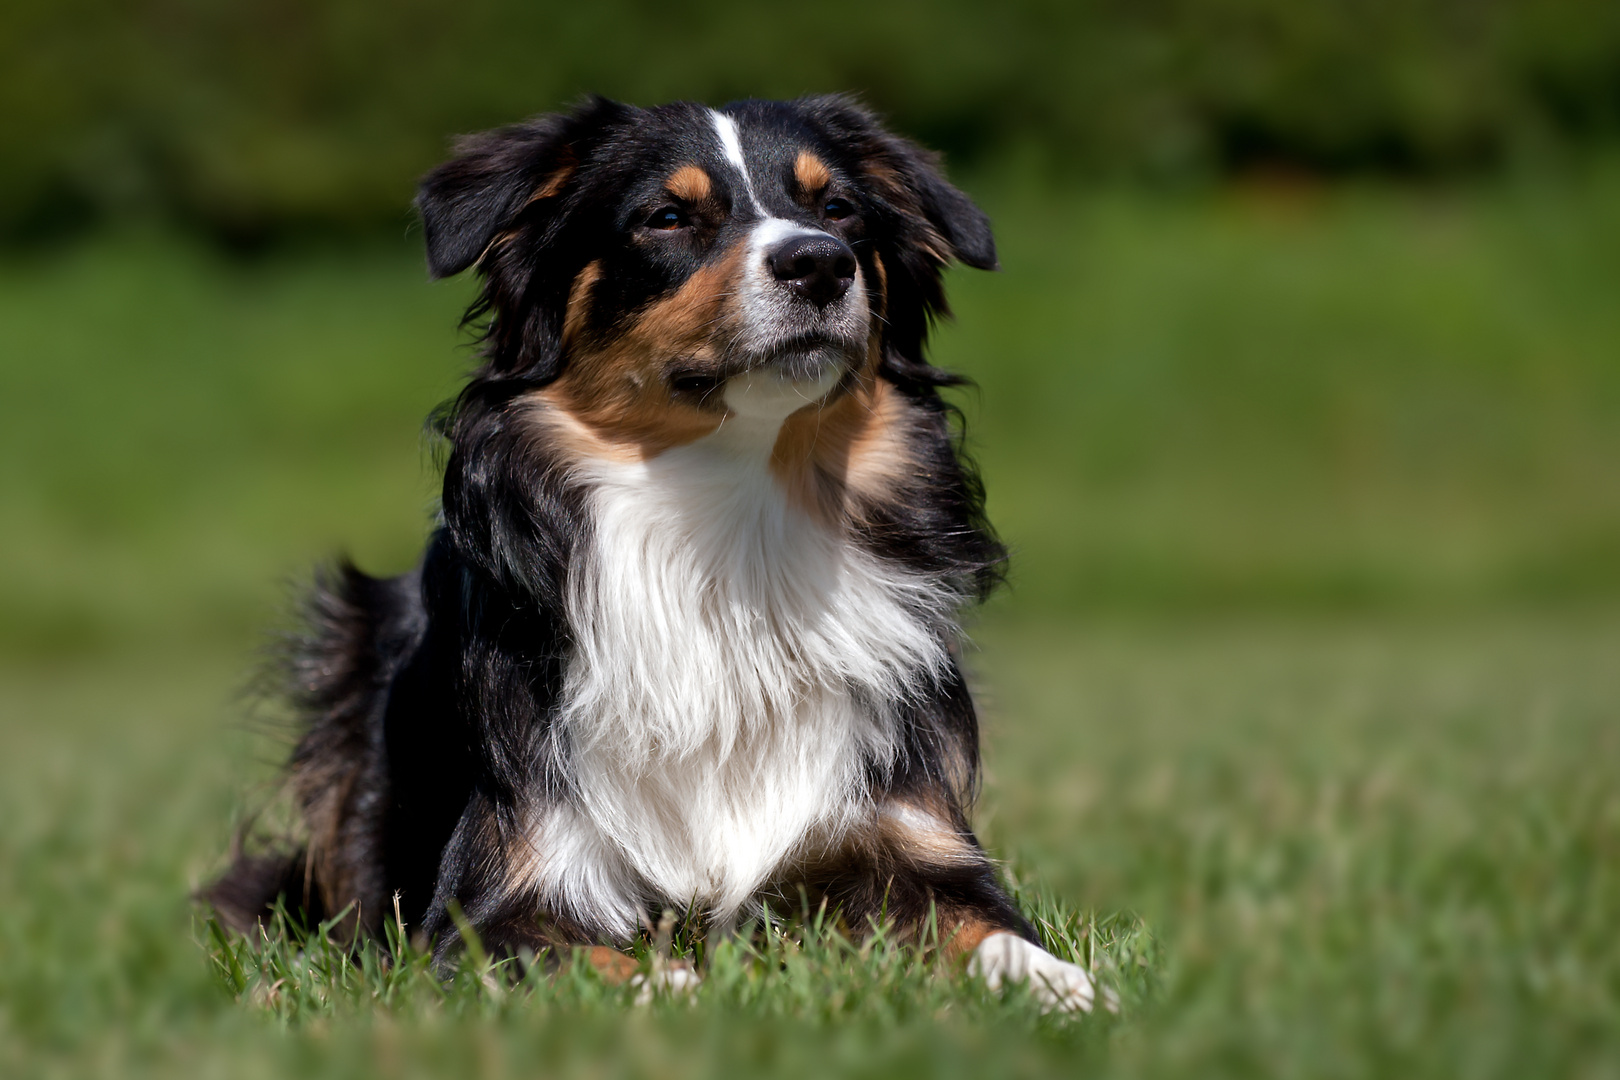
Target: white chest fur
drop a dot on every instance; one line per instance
(735, 670)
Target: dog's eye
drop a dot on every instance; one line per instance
(666, 218)
(838, 209)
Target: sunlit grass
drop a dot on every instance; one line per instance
(1308, 845)
(809, 968)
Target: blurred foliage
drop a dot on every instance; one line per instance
(253, 118)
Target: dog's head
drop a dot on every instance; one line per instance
(665, 268)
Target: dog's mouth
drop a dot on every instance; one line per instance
(811, 358)
(806, 358)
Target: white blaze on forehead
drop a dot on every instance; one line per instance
(770, 314)
(731, 145)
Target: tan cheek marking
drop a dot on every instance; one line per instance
(634, 421)
(811, 454)
(690, 183)
(853, 447)
(879, 459)
(856, 445)
(811, 172)
(566, 436)
(617, 393)
(693, 313)
(579, 302)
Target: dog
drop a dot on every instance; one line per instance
(686, 633)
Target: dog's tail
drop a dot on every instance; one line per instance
(335, 673)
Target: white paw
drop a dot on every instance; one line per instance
(666, 981)
(1007, 958)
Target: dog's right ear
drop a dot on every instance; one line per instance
(468, 202)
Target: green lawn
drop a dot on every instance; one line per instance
(1302, 709)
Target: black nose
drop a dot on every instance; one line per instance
(816, 266)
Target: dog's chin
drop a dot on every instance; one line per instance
(776, 386)
(809, 362)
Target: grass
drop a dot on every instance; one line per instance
(804, 967)
(1300, 716)
(1342, 846)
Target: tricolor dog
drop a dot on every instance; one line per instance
(685, 636)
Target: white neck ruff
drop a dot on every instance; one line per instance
(735, 672)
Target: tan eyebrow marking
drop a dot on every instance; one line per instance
(811, 172)
(689, 183)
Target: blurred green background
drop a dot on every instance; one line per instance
(1298, 400)
(250, 119)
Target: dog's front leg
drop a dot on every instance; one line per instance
(484, 889)
(921, 869)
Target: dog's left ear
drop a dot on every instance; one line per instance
(938, 219)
